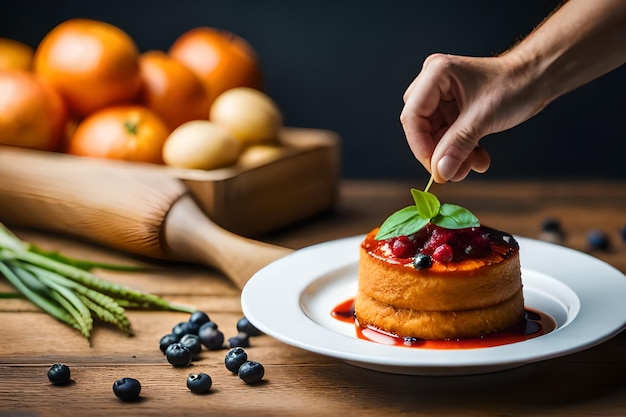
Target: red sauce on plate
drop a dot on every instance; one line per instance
(534, 324)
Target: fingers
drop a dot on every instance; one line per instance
(478, 160)
(422, 116)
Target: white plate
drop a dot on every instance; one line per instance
(292, 299)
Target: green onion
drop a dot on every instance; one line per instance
(64, 287)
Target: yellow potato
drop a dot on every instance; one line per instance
(200, 144)
(249, 114)
(255, 155)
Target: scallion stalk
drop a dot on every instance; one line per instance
(65, 288)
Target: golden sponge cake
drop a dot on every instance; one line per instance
(440, 283)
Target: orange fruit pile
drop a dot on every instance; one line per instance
(88, 90)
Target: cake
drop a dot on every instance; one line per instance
(439, 283)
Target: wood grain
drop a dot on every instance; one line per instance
(298, 382)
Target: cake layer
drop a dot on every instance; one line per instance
(478, 283)
(437, 325)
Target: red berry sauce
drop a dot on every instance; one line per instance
(534, 324)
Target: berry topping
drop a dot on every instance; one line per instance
(471, 243)
(443, 253)
(422, 261)
(438, 237)
(402, 247)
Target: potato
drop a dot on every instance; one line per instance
(200, 144)
(255, 155)
(250, 115)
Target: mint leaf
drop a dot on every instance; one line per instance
(427, 204)
(427, 209)
(452, 216)
(402, 223)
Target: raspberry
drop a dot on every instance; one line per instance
(438, 237)
(403, 247)
(443, 253)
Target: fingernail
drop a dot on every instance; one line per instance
(447, 167)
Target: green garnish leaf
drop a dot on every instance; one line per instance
(427, 209)
(452, 216)
(427, 204)
(402, 223)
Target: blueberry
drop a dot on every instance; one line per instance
(623, 233)
(59, 374)
(167, 340)
(181, 329)
(178, 355)
(244, 326)
(551, 224)
(127, 389)
(598, 240)
(199, 383)
(210, 336)
(241, 340)
(251, 372)
(235, 358)
(422, 261)
(197, 319)
(192, 342)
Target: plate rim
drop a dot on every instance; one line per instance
(463, 361)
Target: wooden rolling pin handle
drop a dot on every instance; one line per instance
(141, 210)
(190, 235)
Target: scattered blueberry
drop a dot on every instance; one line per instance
(598, 240)
(210, 336)
(199, 383)
(244, 326)
(241, 340)
(178, 355)
(167, 340)
(59, 374)
(251, 372)
(235, 358)
(551, 224)
(197, 319)
(127, 389)
(192, 342)
(624, 233)
(181, 329)
(551, 231)
(422, 261)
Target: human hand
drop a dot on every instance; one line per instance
(454, 102)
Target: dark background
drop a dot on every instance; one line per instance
(344, 65)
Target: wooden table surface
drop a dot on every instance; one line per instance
(297, 382)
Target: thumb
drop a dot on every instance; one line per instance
(453, 152)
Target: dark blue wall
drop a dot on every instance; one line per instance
(344, 65)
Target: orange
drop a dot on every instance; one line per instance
(91, 63)
(172, 90)
(32, 115)
(222, 59)
(128, 132)
(15, 55)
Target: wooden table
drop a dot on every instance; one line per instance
(297, 382)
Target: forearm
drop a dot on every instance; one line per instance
(581, 41)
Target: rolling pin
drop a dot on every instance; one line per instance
(135, 208)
